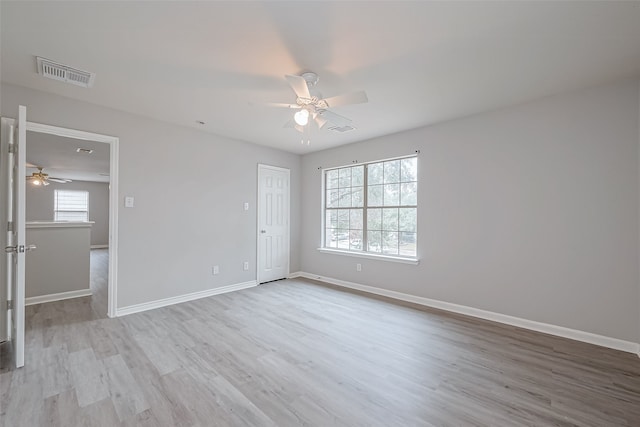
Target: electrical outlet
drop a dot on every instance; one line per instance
(358, 267)
(245, 266)
(215, 270)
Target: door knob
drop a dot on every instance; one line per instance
(263, 231)
(20, 249)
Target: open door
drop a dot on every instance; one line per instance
(6, 129)
(16, 246)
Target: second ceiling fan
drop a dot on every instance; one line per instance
(312, 107)
(41, 178)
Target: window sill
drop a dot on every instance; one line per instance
(390, 258)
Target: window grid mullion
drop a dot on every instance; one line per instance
(393, 207)
(324, 225)
(365, 209)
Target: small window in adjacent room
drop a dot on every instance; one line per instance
(71, 205)
(372, 208)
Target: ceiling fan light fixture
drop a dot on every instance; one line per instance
(302, 117)
(42, 179)
(312, 105)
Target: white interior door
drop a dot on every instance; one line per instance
(273, 223)
(6, 166)
(16, 246)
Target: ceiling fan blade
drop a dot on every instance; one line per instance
(299, 128)
(60, 180)
(45, 183)
(347, 99)
(334, 118)
(282, 105)
(299, 86)
(320, 121)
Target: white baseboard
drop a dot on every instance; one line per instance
(546, 328)
(99, 246)
(57, 297)
(136, 308)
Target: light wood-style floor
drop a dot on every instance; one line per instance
(295, 353)
(99, 281)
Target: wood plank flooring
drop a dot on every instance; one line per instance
(99, 273)
(296, 353)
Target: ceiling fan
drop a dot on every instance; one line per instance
(311, 105)
(41, 178)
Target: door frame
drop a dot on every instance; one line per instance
(9, 132)
(113, 142)
(262, 167)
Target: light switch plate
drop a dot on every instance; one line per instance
(246, 206)
(128, 201)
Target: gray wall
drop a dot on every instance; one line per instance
(39, 205)
(189, 188)
(58, 247)
(530, 211)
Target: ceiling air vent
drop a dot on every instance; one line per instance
(64, 73)
(342, 129)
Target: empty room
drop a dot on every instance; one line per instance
(320, 213)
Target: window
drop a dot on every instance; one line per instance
(71, 205)
(372, 208)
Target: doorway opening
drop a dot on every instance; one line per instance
(67, 219)
(86, 140)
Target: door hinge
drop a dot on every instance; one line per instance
(13, 148)
(10, 304)
(10, 226)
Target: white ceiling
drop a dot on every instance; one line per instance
(59, 158)
(220, 62)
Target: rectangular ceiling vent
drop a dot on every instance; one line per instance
(342, 129)
(64, 73)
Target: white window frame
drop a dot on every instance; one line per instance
(365, 253)
(55, 205)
